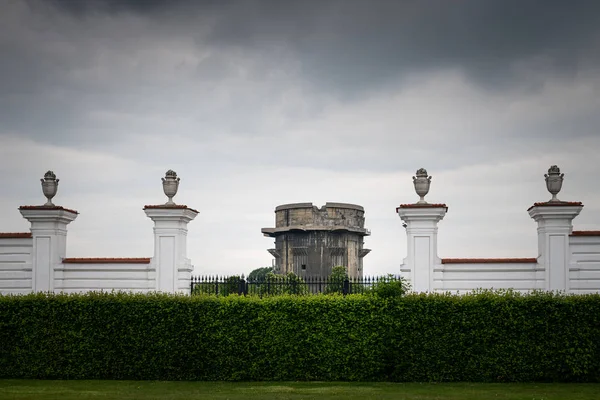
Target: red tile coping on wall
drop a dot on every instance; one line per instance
(106, 260)
(422, 206)
(585, 233)
(47, 208)
(556, 204)
(164, 207)
(488, 260)
(15, 235)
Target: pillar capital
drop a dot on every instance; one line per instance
(177, 213)
(422, 212)
(53, 217)
(555, 213)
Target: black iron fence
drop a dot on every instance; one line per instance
(290, 284)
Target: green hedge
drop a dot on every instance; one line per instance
(479, 337)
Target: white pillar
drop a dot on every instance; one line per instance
(555, 224)
(49, 233)
(421, 231)
(173, 268)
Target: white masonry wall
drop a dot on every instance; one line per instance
(456, 276)
(74, 277)
(21, 264)
(566, 260)
(15, 265)
(523, 275)
(584, 268)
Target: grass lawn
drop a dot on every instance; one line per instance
(66, 390)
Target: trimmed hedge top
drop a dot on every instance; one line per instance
(479, 337)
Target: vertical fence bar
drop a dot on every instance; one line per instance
(346, 288)
(294, 286)
(242, 286)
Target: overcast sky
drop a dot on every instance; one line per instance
(261, 103)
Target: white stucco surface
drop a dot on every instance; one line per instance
(15, 265)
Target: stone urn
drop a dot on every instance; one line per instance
(49, 187)
(422, 183)
(170, 185)
(554, 180)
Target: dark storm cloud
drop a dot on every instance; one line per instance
(87, 7)
(352, 46)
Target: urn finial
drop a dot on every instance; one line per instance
(49, 187)
(554, 180)
(170, 185)
(422, 183)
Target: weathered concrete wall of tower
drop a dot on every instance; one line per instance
(330, 215)
(310, 241)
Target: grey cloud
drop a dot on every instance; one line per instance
(256, 104)
(108, 73)
(365, 44)
(353, 46)
(90, 7)
(59, 73)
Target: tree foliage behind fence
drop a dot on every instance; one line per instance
(479, 337)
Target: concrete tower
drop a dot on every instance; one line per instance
(310, 241)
